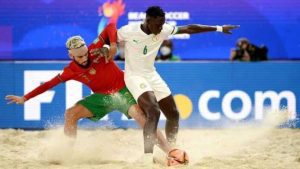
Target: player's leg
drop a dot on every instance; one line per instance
(93, 107)
(143, 93)
(138, 115)
(175, 156)
(149, 105)
(72, 115)
(129, 107)
(168, 107)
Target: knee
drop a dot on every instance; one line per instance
(173, 115)
(152, 112)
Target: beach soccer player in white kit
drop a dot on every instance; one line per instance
(142, 42)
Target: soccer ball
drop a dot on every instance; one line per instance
(177, 157)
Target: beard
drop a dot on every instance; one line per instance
(83, 66)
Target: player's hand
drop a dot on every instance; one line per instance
(105, 53)
(15, 99)
(102, 52)
(95, 52)
(227, 28)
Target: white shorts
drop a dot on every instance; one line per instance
(138, 85)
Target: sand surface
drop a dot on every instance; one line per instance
(244, 147)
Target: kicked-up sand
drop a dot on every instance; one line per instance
(261, 146)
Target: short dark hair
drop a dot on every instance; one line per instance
(155, 11)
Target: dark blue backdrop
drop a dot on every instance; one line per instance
(38, 29)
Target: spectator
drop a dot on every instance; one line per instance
(166, 52)
(246, 51)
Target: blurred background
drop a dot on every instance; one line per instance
(38, 29)
(209, 88)
(231, 91)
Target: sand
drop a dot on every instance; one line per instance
(241, 147)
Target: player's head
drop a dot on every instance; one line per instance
(155, 18)
(78, 51)
(242, 43)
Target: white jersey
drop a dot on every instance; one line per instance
(140, 48)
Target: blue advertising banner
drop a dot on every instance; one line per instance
(207, 94)
(34, 27)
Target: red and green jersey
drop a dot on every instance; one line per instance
(100, 77)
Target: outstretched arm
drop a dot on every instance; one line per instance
(195, 28)
(40, 89)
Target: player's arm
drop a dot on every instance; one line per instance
(101, 47)
(40, 89)
(195, 28)
(111, 31)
